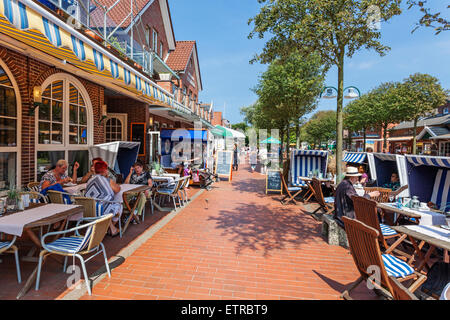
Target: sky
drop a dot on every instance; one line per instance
(221, 30)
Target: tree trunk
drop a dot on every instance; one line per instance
(288, 138)
(339, 120)
(385, 137)
(414, 150)
(364, 139)
(297, 133)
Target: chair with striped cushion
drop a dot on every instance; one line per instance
(441, 190)
(78, 245)
(35, 197)
(326, 204)
(9, 247)
(33, 186)
(366, 212)
(399, 292)
(374, 267)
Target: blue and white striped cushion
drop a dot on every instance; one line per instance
(396, 267)
(36, 200)
(329, 199)
(386, 230)
(441, 189)
(98, 209)
(4, 244)
(294, 188)
(71, 244)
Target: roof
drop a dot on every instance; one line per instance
(429, 121)
(433, 132)
(119, 12)
(179, 58)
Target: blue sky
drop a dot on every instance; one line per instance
(220, 29)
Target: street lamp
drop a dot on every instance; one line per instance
(353, 92)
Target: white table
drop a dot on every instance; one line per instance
(427, 217)
(75, 189)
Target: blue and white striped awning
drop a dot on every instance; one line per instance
(443, 162)
(320, 153)
(354, 157)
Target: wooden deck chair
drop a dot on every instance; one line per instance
(77, 246)
(399, 292)
(372, 265)
(289, 196)
(325, 204)
(366, 212)
(385, 193)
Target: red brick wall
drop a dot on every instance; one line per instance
(29, 73)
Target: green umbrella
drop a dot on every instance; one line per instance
(271, 140)
(221, 131)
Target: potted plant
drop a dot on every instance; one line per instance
(13, 197)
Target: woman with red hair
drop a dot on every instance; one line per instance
(100, 186)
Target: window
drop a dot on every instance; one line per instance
(9, 140)
(113, 130)
(63, 127)
(445, 149)
(155, 41)
(445, 111)
(147, 37)
(161, 50)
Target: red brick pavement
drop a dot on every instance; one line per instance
(235, 242)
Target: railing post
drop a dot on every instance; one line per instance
(132, 28)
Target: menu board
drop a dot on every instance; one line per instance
(273, 181)
(224, 161)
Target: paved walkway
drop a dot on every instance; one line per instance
(235, 242)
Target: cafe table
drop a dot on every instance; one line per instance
(435, 236)
(75, 190)
(424, 217)
(37, 215)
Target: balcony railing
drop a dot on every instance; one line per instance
(115, 23)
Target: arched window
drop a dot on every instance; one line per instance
(9, 133)
(64, 124)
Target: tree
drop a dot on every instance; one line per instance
(418, 96)
(289, 89)
(320, 128)
(358, 116)
(332, 29)
(433, 20)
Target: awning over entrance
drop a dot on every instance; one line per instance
(230, 133)
(354, 157)
(27, 22)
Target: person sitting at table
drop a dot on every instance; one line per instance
(100, 186)
(344, 192)
(138, 175)
(394, 184)
(57, 175)
(364, 177)
(91, 172)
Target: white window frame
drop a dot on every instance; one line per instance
(18, 148)
(65, 146)
(122, 117)
(155, 41)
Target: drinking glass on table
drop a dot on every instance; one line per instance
(391, 198)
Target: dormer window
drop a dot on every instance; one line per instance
(445, 111)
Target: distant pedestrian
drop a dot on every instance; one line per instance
(235, 157)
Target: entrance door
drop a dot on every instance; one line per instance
(154, 146)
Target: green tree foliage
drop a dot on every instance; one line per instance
(429, 19)
(332, 29)
(320, 128)
(418, 96)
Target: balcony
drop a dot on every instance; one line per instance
(117, 25)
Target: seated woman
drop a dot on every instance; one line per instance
(138, 175)
(55, 178)
(91, 172)
(364, 177)
(100, 186)
(394, 184)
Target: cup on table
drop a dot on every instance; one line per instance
(423, 205)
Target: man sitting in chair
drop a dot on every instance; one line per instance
(394, 184)
(344, 192)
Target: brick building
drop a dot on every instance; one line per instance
(62, 90)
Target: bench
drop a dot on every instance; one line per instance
(333, 232)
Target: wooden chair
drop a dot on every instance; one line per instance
(326, 204)
(399, 292)
(366, 212)
(288, 190)
(370, 262)
(171, 190)
(385, 193)
(9, 247)
(58, 196)
(77, 246)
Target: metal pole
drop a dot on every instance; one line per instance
(132, 28)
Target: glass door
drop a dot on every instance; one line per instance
(154, 146)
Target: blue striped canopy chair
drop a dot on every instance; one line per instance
(361, 158)
(366, 253)
(78, 245)
(429, 179)
(9, 247)
(304, 162)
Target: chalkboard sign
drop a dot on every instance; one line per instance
(224, 161)
(138, 135)
(273, 181)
